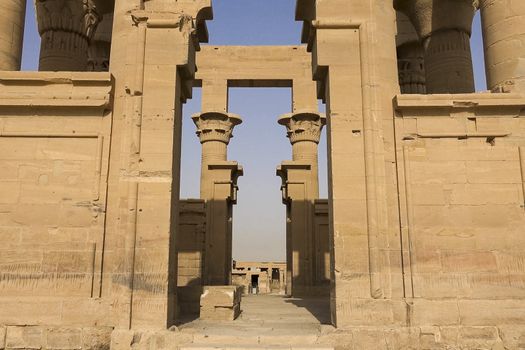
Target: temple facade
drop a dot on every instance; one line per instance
(419, 245)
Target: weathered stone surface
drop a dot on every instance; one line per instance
(2, 337)
(96, 338)
(220, 303)
(63, 338)
(24, 337)
(421, 240)
(11, 34)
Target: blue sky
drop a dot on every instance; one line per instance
(260, 143)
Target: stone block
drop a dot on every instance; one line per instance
(96, 338)
(220, 313)
(513, 336)
(493, 172)
(2, 337)
(24, 337)
(122, 339)
(434, 312)
(221, 302)
(492, 312)
(468, 261)
(63, 338)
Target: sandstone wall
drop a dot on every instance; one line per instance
(54, 136)
(55, 130)
(461, 190)
(425, 195)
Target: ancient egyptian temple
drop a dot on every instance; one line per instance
(420, 243)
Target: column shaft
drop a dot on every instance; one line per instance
(212, 152)
(308, 152)
(218, 188)
(300, 189)
(448, 63)
(12, 15)
(410, 57)
(444, 27)
(503, 23)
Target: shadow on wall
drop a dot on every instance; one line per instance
(312, 289)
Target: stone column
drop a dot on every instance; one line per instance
(300, 189)
(12, 15)
(219, 189)
(215, 130)
(444, 28)
(410, 57)
(503, 23)
(66, 28)
(304, 131)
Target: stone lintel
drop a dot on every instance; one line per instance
(479, 105)
(30, 90)
(463, 116)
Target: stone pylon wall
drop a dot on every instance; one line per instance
(90, 179)
(426, 201)
(416, 189)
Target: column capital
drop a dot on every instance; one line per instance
(76, 16)
(444, 29)
(429, 16)
(66, 27)
(215, 126)
(303, 126)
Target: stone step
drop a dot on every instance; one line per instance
(254, 347)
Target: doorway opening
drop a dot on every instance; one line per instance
(254, 285)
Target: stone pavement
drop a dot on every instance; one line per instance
(266, 322)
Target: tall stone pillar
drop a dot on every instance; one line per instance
(66, 28)
(12, 15)
(300, 187)
(444, 28)
(219, 189)
(304, 131)
(152, 62)
(503, 23)
(354, 62)
(410, 58)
